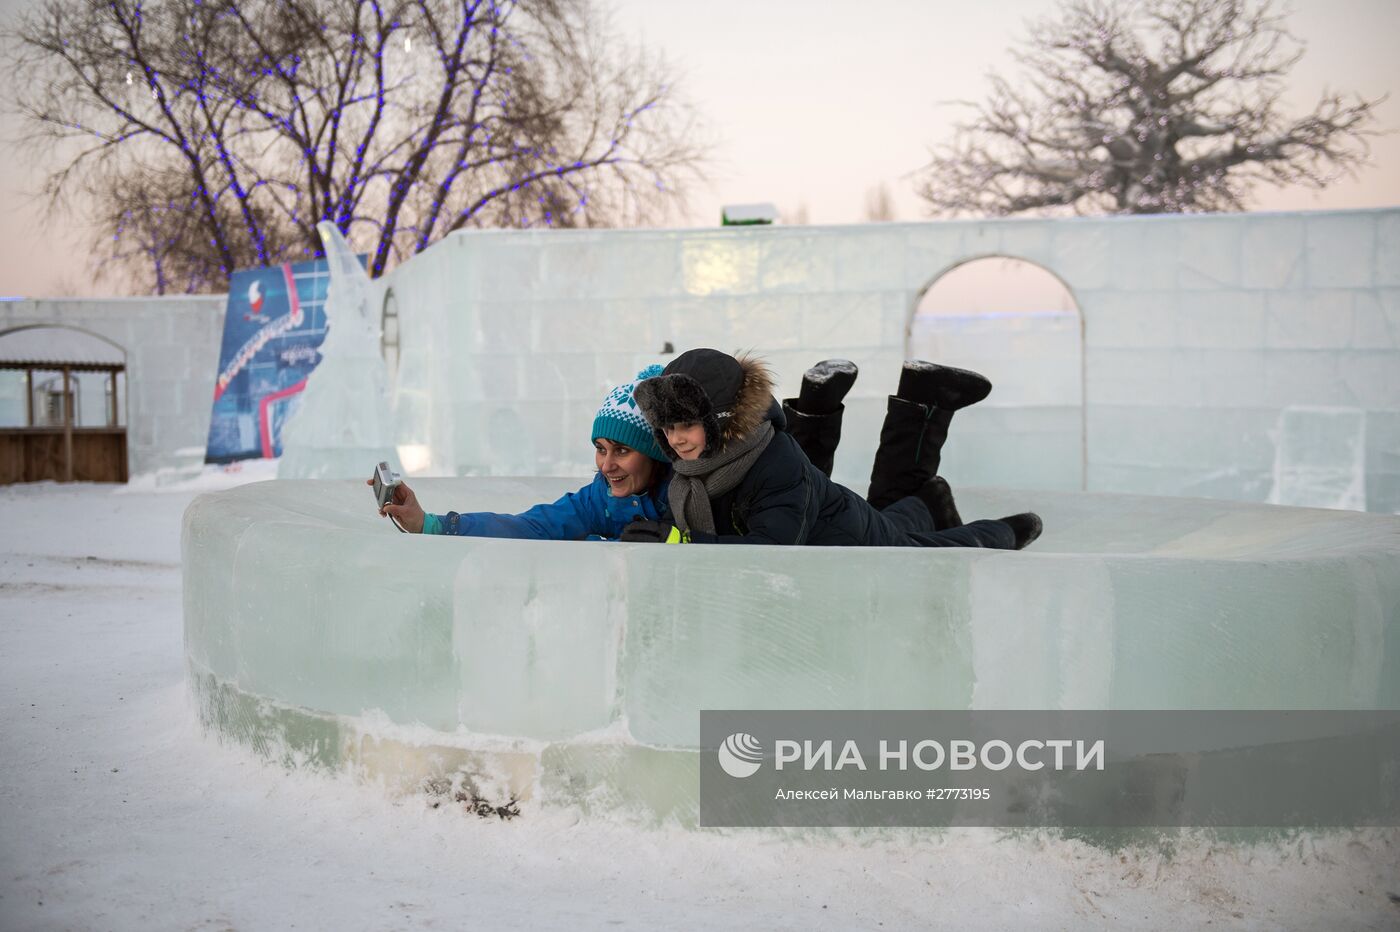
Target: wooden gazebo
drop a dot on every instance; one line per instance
(55, 436)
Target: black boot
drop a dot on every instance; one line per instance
(1026, 526)
(817, 434)
(938, 497)
(825, 385)
(814, 416)
(941, 386)
(911, 446)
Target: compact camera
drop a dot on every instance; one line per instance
(385, 480)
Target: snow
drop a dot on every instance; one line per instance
(825, 370)
(118, 813)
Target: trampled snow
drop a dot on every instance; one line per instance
(118, 813)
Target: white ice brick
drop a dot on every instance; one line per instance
(686, 323)
(798, 263)
(497, 441)
(1321, 458)
(1210, 254)
(1026, 239)
(1128, 318)
(1028, 448)
(982, 239)
(1232, 378)
(500, 271)
(489, 377)
(1376, 320)
(1303, 377)
(897, 314)
(871, 261)
(596, 326)
(929, 252)
(562, 376)
(1144, 255)
(850, 320)
(720, 265)
(771, 321)
(541, 662)
(1341, 251)
(1080, 254)
(1370, 378)
(634, 264)
(1220, 319)
(1388, 249)
(1311, 319)
(1043, 656)
(1129, 377)
(502, 325)
(1272, 252)
(575, 268)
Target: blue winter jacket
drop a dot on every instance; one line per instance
(591, 513)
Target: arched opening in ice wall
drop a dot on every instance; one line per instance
(1019, 325)
(1200, 332)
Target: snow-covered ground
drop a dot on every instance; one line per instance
(116, 812)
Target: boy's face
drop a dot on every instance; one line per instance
(687, 439)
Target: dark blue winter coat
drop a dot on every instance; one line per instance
(784, 499)
(591, 513)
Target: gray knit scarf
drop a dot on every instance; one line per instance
(698, 481)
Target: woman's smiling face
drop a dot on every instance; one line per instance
(628, 472)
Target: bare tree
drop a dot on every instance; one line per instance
(207, 135)
(1146, 107)
(799, 216)
(879, 204)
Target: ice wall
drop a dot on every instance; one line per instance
(1198, 332)
(1035, 413)
(171, 348)
(301, 605)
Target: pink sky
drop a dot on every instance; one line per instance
(814, 103)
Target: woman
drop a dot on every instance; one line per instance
(737, 479)
(630, 485)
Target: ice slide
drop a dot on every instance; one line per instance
(573, 670)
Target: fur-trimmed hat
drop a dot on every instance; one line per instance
(727, 396)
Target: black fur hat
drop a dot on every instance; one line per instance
(707, 387)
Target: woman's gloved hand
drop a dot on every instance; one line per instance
(642, 531)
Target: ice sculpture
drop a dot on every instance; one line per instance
(342, 427)
(571, 669)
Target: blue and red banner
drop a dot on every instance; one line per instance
(273, 325)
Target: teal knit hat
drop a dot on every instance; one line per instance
(621, 421)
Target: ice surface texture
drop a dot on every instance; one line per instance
(1193, 334)
(342, 426)
(312, 625)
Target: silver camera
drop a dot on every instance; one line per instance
(385, 480)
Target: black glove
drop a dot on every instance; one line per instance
(642, 531)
